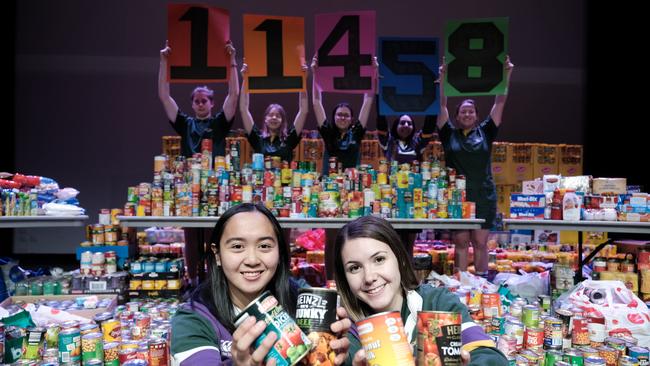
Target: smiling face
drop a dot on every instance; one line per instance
(404, 127)
(372, 272)
(249, 256)
(343, 118)
(274, 118)
(466, 115)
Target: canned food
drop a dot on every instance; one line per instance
(438, 340)
(315, 312)
(70, 345)
(158, 352)
(292, 344)
(92, 347)
(384, 340)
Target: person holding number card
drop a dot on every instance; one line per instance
(467, 144)
(402, 142)
(343, 134)
(248, 256)
(275, 139)
(374, 274)
(203, 125)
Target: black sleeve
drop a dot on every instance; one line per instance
(222, 125)
(327, 132)
(445, 133)
(180, 124)
(255, 139)
(358, 131)
(292, 139)
(490, 129)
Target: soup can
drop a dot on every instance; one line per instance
(292, 344)
(384, 340)
(438, 340)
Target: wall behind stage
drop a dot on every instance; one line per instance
(87, 111)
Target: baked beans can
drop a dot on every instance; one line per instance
(491, 304)
(127, 354)
(580, 332)
(292, 344)
(111, 354)
(158, 352)
(69, 345)
(609, 354)
(384, 340)
(438, 340)
(92, 347)
(315, 312)
(553, 338)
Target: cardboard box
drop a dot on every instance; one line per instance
(609, 186)
(500, 163)
(545, 160)
(520, 157)
(570, 160)
(86, 313)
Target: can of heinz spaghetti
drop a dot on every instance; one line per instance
(384, 340)
(315, 312)
(438, 341)
(292, 344)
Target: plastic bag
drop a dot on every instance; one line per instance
(526, 285)
(624, 312)
(312, 240)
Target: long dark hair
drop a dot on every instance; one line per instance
(380, 230)
(343, 105)
(393, 129)
(214, 293)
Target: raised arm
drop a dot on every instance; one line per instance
(369, 97)
(171, 108)
(500, 100)
(443, 116)
(316, 95)
(230, 103)
(246, 117)
(303, 107)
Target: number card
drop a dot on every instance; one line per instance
(346, 45)
(409, 69)
(274, 47)
(197, 35)
(475, 54)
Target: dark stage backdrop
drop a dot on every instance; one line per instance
(87, 111)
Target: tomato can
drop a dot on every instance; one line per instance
(292, 344)
(158, 352)
(384, 340)
(315, 312)
(438, 340)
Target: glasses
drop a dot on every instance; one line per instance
(405, 122)
(342, 115)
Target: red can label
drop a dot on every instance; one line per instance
(438, 342)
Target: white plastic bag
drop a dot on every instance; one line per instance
(526, 285)
(624, 312)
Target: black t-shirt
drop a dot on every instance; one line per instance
(471, 156)
(347, 147)
(277, 147)
(193, 130)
